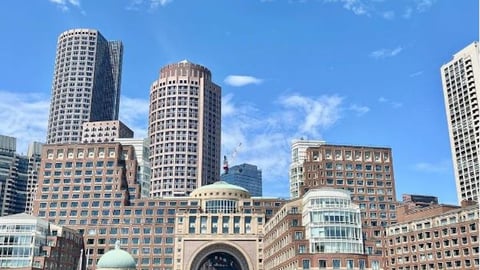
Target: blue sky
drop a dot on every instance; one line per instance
(355, 72)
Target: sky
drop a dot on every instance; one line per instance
(352, 72)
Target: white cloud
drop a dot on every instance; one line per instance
(64, 5)
(149, 4)
(389, 15)
(384, 53)
(266, 135)
(24, 116)
(360, 110)
(134, 114)
(241, 80)
(393, 104)
(423, 5)
(439, 167)
(358, 7)
(415, 74)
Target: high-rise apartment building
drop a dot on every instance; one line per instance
(184, 129)
(245, 175)
(299, 147)
(367, 172)
(86, 83)
(18, 176)
(461, 82)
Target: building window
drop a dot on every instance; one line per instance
(306, 264)
(322, 264)
(336, 264)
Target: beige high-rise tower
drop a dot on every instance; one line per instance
(184, 129)
(460, 80)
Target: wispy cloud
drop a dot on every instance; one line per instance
(148, 4)
(241, 80)
(358, 7)
(134, 114)
(439, 167)
(65, 5)
(384, 53)
(423, 5)
(416, 74)
(389, 15)
(360, 110)
(24, 116)
(393, 104)
(266, 135)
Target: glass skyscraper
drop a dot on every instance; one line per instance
(247, 176)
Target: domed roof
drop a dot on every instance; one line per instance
(117, 259)
(222, 187)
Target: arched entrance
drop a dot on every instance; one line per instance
(219, 257)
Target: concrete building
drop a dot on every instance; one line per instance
(93, 188)
(18, 176)
(367, 172)
(245, 175)
(86, 83)
(434, 237)
(184, 129)
(461, 82)
(34, 156)
(322, 230)
(299, 147)
(31, 243)
(412, 201)
(104, 131)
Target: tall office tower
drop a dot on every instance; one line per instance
(299, 147)
(367, 172)
(17, 176)
(184, 129)
(461, 83)
(247, 176)
(86, 83)
(104, 131)
(34, 156)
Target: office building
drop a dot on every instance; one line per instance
(104, 131)
(434, 237)
(142, 154)
(18, 176)
(184, 129)
(461, 82)
(89, 187)
(321, 230)
(86, 83)
(299, 147)
(34, 156)
(412, 201)
(31, 243)
(367, 172)
(245, 175)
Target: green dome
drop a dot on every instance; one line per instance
(117, 259)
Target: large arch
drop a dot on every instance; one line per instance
(232, 257)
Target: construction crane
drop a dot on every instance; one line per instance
(232, 158)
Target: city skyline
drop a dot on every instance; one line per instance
(262, 110)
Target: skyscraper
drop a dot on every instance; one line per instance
(247, 176)
(460, 80)
(86, 83)
(299, 147)
(184, 129)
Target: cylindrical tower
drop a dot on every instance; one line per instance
(184, 129)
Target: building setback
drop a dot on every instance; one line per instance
(86, 83)
(461, 82)
(245, 175)
(367, 172)
(184, 129)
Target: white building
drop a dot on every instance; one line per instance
(460, 80)
(299, 148)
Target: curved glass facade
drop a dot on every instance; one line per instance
(332, 222)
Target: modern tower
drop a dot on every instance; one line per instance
(461, 82)
(86, 83)
(184, 129)
(299, 147)
(247, 176)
